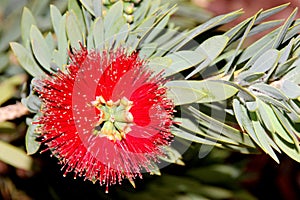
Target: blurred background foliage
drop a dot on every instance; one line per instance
(220, 175)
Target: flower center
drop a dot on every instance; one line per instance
(115, 119)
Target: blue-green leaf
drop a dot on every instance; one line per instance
(182, 60)
(55, 18)
(184, 92)
(266, 61)
(73, 30)
(40, 48)
(25, 58)
(32, 145)
(26, 23)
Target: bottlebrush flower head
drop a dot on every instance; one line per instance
(107, 117)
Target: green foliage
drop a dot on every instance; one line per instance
(210, 178)
(255, 88)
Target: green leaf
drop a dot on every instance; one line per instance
(167, 41)
(158, 64)
(237, 49)
(243, 120)
(283, 127)
(290, 89)
(290, 149)
(216, 129)
(182, 60)
(121, 36)
(271, 11)
(113, 18)
(140, 32)
(26, 23)
(73, 30)
(10, 29)
(171, 155)
(157, 29)
(40, 48)
(32, 145)
(15, 156)
(237, 30)
(214, 192)
(190, 137)
(213, 46)
(50, 41)
(32, 102)
(262, 88)
(286, 51)
(266, 114)
(271, 101)
(88, 4)
(98, 33)
(216, 21)
(147, 50)
(184, 92)
(284, 29)
(74, 7)
(264, 26)
(55, 18)
(210, 49)
(266, 61)
(143, 10)
(265, 43)
(62, 54)
(294, 74)
(285, 67)
(264, 139)
(256, 49)
(249, 76)
(26, 60)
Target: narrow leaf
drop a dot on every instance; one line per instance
(288, 148)
(266, 61)
(73, 30)
(185, 92)
(114, 14)
(216, 21)
(26, 60)
(40, 48)
(182, 60)
(26, 23)
(264, 139)
(98, 33)
(284, 29)
(55, 18)
(210, 49)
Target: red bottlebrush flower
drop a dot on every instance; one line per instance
(107, 117)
